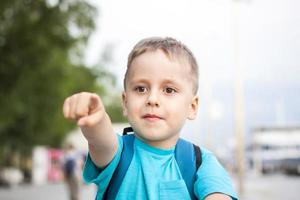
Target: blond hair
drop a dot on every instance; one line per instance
(173, 49)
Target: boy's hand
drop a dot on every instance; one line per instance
(86, 108)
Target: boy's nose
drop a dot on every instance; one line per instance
(152, 99)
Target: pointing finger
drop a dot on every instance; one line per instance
(90, 120)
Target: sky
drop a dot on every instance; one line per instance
(265, 33)
(260, 36)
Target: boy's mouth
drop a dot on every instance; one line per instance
(151, 117)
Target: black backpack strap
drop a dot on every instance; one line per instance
(119, 174)
(127, 130)
(198, 156)
(188, 158)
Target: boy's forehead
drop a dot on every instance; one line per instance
(158, 65)
(161, 57)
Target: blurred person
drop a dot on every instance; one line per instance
(72, 169)
(160, 93)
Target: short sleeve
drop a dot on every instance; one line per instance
(212, 178)
(98, 176)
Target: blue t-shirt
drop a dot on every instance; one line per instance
(154, 174)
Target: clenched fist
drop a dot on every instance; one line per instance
(86, 108)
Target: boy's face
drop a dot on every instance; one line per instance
(159, 98)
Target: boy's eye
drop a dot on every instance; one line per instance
(169, 90)
(140, 89)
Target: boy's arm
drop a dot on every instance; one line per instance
(218, 196)
(88, 110)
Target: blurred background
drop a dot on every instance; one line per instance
(248, 53)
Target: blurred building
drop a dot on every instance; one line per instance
(276, 149)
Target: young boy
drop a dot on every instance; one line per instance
(160, 93)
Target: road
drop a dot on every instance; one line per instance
(53, 191)
(257, 187)
(271, 187)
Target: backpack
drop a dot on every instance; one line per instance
(187, 155)
(69, 167)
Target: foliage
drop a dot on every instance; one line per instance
(41, 48)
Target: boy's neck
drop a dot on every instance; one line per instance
(161, 144)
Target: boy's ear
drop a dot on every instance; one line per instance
(193, 108)
(124, 103)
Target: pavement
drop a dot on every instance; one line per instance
(257, 187)
(270, 187)
(57, 191)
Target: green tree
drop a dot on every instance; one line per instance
(41, 48)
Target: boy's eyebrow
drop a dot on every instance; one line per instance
(170, 81)
(146, 81)
(142, 80)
